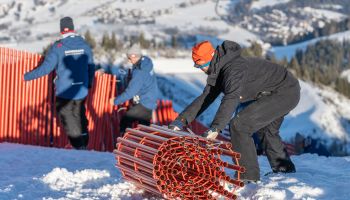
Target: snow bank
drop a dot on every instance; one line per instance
(29, 172)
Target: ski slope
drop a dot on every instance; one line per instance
(29, 172)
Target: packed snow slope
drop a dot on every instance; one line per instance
(29, 172)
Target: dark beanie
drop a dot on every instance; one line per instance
(66, 24)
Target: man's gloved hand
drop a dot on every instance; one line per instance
(136, 99)
(211, 133)
(176, 125)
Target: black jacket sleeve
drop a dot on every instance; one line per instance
(230, 101)
(200, 104)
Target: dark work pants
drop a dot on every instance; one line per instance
(137, 113)
(272, 145)
(73, 119)
(265, 117)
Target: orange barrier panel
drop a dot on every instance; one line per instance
(2, 92)
(28, 114)
(27, 109)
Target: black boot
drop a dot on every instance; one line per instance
(81, 142)
(285, 167)
(85, 138)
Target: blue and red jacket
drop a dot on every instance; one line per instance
(72, 59)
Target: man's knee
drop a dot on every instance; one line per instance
(73, 133)
(240, 127)
(127, 119)
(272, 129)
(269, 132)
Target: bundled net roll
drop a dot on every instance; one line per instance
(178, 165)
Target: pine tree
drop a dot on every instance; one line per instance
(113, 44)
(105, 41)
(305, 73)
(343, 86)
(89, 39)
(256, 49)
(271, 57)
(173, 41)
(284, 62)
(317, 76)
(143, 42)
(294, 65)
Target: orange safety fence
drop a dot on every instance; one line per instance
(28, 115)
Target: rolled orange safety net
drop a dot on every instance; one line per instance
(178, 165)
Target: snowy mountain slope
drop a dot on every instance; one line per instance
(285, 22)
(289, 51)
(29, 172)
(263, 3)
(321, 113)
(32, 25)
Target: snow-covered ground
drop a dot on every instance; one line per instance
(29, 172)
(321, 113)
(263, 3)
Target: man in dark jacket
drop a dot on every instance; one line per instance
(142, 88)
(72, 59)
(273, 88)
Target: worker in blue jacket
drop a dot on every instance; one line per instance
(142, 88)
(72, 59)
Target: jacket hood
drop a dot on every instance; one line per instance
(145, 64)
(224, 53)
(72, 41)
